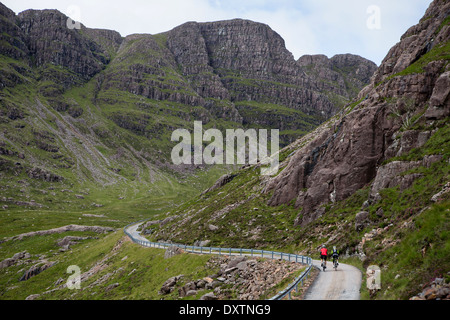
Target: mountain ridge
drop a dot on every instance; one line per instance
(150, 85)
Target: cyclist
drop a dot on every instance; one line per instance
(323, 255)
(335, 256)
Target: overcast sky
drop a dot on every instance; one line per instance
(368, 28)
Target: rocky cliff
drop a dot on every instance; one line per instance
(410, 86)
(237, 71)
(67, 56)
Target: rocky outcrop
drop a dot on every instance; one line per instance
(438, 196)
(66, 56)
(71, 227)
(439, 101)
(68, 241)
(36, 269)
(14, 259)
(172, 251)
(226, 178)
(389, 176)
(343, 75)
(12, 35)
(348, 153)
(51, 42)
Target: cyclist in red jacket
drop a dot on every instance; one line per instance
(323, 255)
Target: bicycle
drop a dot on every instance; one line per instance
(335, 263)
(324, 264)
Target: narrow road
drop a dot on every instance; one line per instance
(134, 233)
(342, 284)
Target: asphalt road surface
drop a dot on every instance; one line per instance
(341, 284)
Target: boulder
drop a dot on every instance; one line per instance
(191, 293)
(212, 227)
(209, 296)
(235, 261)
(189, 287)
(111, 286)
(172, 251)
(360, 220)
(389, 176)
(203, 243)
(169, 285)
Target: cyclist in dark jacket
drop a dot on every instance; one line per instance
(335, 255)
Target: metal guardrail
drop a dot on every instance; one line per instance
(238, 251)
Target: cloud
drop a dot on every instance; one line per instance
(308, 27)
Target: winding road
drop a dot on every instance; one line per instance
(341, 284)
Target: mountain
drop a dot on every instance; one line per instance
(88, 108)
(373, 180)
(227, 71)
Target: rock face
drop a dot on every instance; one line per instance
(51, 42)
(41, 38)
(342, 75)
(232, 69)
(347, 154)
